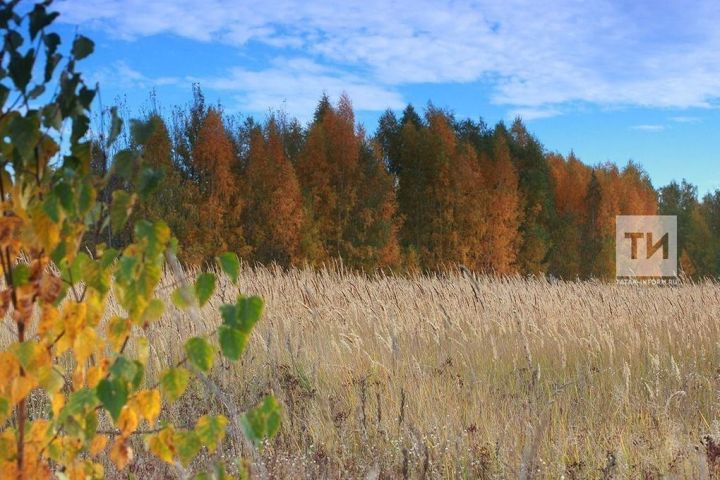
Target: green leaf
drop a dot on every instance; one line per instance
(232, 341)
(244, 314)
(187, 445)
(120, 209)
(124, 162)
(250, 310)
(210, 429)
(82, 47)
(230, 264)
(51, 40)
(51, 62)
(20, 274)
(64, 193)
(74, 272)
(113, 395)
(4, 409)
(52, 208)
(124, 369)
(149, 181)
(86, 199)
(141, 131)
(115, 126)
(182, 297)
(20, 68)
(153, 311)
(39, 19)
(79, 401)
(262, 421)
(200, 353)
(25, 134)
(173, 383)
(204, 287)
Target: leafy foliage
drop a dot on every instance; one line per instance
(52, 200)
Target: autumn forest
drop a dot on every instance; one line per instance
(426, 191)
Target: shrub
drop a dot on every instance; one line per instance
(54, 294)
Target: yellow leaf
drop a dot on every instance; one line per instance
(98, 444)
(96, 373)
(127, 422)
(50, 322)
(78, 378)
(8, 444)
(39, 432)
(51, 378)
(21, 387)
(9, 469)
(143, 349)
(117, 330)
(120, 453)
(57, 403)
(9, 368)
(95, 308)
(161, 445)
(85, 344)
(148, 404)
(47, 231)
(74, 318)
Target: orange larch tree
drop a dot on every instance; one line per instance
(219, 227)
(504, 210)
(273, 213)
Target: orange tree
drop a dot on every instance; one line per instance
(53, 294)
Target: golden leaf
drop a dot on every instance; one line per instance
(86, 342)
(57, 403)
(117, 330)
(9, 368)
(98, 444)
(120, 453)
(96, 373)
(162, 446)
(9, 227)
(148, 404)
(20, 388)
(78, 377)
(49, 288)
(39, 432)
(50, 322)
(127, 422)
(8, 444)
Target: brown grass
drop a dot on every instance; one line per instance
(451, 377)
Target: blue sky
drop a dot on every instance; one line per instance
(611, 80)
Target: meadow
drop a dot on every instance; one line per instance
(454, 376)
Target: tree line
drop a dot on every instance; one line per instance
(426, 191)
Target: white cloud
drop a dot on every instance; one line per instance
(295, 85)
(123, 75)
(648, 128)
(686, 119)
(530, 113)
(536, 56)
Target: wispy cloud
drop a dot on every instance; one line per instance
(535, 56)
(648, 128)
(295, 86)
(685, 119)
(123, 75)
(530, 113)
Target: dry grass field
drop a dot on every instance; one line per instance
(454, 377)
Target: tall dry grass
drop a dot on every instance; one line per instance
(455, 377)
